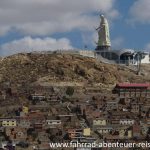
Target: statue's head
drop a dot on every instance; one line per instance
(102, 18)
(102, 15)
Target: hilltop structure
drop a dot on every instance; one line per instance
(122, 56)
(105, 53)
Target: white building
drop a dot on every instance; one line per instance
(53, 122)
(126, 121)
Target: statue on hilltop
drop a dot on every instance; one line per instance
(103, 35)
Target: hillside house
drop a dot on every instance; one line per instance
(52, 122)
(8, 122)
(99, 122)
(127, 122)
(125, 90)
(112, 105)
(16, 133)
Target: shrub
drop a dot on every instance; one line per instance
(70, 91)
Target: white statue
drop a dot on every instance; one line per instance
(103, 35)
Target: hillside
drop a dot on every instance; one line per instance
(64, 68)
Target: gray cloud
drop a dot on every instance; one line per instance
(139, 11)
(44, 17)
(117, 42)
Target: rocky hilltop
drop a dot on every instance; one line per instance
(65, 68)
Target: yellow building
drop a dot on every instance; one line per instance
(87, 132)
(25, 109)
(129, 134)
(9, 123)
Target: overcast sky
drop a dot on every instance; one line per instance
(27, 25)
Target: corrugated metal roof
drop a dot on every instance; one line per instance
(146, 85)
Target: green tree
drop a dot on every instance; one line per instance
(70, 91)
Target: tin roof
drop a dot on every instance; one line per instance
(126, 85)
